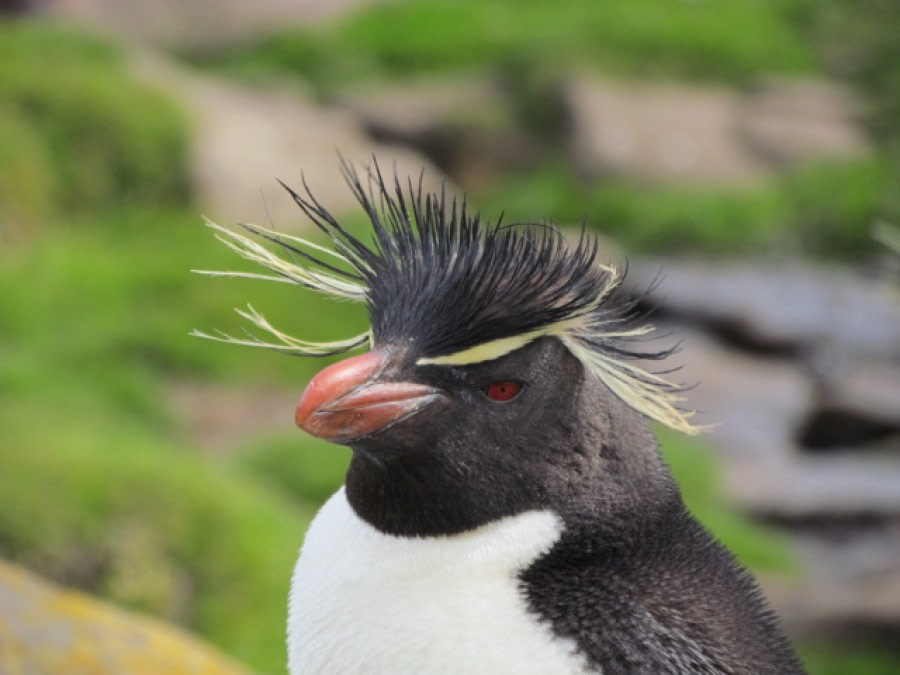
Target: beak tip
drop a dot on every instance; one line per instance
(335, 381)
(346, 402)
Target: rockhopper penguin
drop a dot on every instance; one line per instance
(506, 509)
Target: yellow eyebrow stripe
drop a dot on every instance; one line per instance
(486, 351)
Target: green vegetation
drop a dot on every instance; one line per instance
(858, 43)
(824, 210)
(115, 509)
(310, 470)
(860, 657)
(726, 40)
(77, 132)
(100, 487)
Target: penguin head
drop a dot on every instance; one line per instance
(502, 358)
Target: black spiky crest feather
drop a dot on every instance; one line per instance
(457, 289)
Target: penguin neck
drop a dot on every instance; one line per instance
(423, 494)
(597, 470)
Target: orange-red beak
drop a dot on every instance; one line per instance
(346, 402)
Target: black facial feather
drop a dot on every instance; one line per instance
(442, 280)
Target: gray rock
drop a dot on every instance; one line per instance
(836, 488)
(465, 124)
(851, 578)
(418, 107)
(788, 122)
(865, 389)
(680, 133)
(752, 405)
(829, 313)
(657, 132)
(246, 139)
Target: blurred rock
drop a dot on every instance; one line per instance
(218, 419)
(246, 139)
(199, 24)
(16, 7)
(832, 488)
(415, 109)
(707, 135)
(851, 580)
(466, 125)
(787, 122)
(753, 405)
(658, 132)
(831, 315)
(858, 405)
(45, 629)
(866, 389)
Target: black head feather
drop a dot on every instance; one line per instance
(439, 280)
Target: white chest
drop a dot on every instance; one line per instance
(366, 602)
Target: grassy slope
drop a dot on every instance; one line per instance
(100, 488)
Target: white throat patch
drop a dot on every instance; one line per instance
(366, 602)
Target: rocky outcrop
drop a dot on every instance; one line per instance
(783, 307)
(787, 122)
(466, 125)
(670, 132)
(247, 139)
(46, 629)
(680, 133)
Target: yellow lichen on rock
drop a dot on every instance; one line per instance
(46, 629)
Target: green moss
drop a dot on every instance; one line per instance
(835, 205)
(80, 132)
(105, 506)
(117, 295)
(28, 188)
(727, 40)
(99, 488)
(822, 210)
(645, 217)
(305, 468)
(851, 657)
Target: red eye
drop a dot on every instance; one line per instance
(503, 390)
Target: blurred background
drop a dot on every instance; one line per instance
(153, 490)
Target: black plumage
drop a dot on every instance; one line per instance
(457, 304)
(440, 278)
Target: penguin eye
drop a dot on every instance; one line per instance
(503, 390)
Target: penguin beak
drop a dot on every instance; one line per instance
(346, 401)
